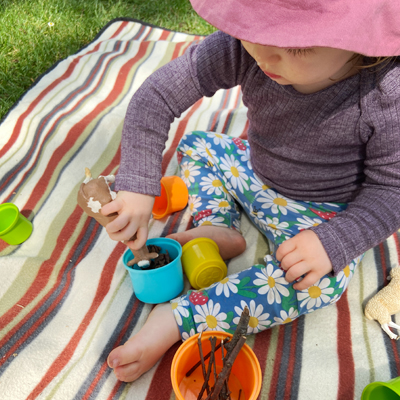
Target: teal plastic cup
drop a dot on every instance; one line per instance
(158, 285)
(389, 390)
(14, 227)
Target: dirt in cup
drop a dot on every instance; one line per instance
(160, 261)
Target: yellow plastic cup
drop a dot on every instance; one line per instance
(245, 374)
(14, 227)
(389, 390)
(202, 263)
(174, 197)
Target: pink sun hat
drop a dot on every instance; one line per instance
(368, 27)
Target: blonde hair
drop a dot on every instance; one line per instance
(362, 62)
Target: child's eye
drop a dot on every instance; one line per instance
(300, 52)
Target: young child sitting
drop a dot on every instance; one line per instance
(319, 174)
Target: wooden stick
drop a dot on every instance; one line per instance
(241, 330)
(195, 366)
(203, 365)
(205, 384)
(225, 392)
(213, 341)
(226, 370)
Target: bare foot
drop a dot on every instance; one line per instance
(230, 242)
(144, 349)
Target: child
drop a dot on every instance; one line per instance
(319, 174)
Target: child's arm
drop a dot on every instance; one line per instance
(134, 211)
(304, 254)
(164, 96)
(374, 213)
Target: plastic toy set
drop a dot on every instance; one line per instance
(200, 260)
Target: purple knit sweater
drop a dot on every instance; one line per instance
(341, 144)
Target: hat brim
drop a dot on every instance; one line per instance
(369, 27)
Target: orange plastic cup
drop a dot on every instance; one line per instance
(245, 375)
(174, 197)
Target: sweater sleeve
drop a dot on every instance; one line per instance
(374, 214)
(215, 63)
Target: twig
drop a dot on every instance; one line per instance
(241, 330)
(203, 366)
(207, 378)
(195, 366)
(240, 394)
(226, 370)
(225, 392)
(213, 341)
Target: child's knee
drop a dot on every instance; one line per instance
(189, 137)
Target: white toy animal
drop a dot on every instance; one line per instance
(386, 303)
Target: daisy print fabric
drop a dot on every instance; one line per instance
(218, 173)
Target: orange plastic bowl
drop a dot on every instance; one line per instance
(245, 375)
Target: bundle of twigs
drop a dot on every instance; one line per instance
(220, 390)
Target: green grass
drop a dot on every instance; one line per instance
(29, 46)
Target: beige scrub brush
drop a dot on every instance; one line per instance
(93, 194)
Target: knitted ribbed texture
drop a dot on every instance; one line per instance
(341, 144)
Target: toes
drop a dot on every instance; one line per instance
(123, 355)
(129, 372)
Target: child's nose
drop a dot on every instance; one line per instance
(268, 56)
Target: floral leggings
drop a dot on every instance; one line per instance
(218, 172)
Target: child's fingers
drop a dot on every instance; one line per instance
(141, 237)
(296, 271)
(309, 280)
(285, 248)
(291, 259)
(111, 207)
(118, 224)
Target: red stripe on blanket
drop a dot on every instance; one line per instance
(76, 131)
(245, 130)
(120, 28)
(43, 275)
(277, 363)
(396, 356)
(164, 35)
(397, 242)
(102, 290)
(261, 347)
(21, 119)
(104, 367)
(383, 263)
(161, 386)
(181, 130)
(344, 349)
(291, 360)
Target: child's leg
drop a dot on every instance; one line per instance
(216, 170)
(263, 289)
(207, 161)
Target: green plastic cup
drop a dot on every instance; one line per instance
(14, 227)
(389, 390)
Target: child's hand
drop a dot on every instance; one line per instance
(134, 211)
(304, 254)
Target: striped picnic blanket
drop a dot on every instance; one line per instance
(65, 297)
